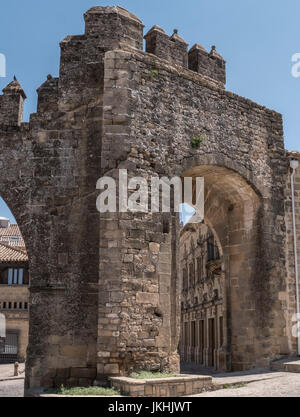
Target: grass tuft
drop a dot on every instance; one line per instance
(108, 392)
(151, 375)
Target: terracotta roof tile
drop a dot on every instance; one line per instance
(9, 254)
(12, 231)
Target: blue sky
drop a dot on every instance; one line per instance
(256, 37)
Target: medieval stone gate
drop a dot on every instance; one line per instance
(105, 290)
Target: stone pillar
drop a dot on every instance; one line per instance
(138, 287)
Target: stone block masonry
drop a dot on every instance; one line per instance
(105, 291)
(164, 387)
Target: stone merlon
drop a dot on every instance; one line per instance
(210, 64)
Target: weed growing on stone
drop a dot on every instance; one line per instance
(154, 73)
(84, 391)
(151, 375)
(196, 142)
(232, 386)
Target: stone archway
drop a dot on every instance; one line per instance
(105, 288)
(232, 211)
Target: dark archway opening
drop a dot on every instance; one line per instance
(218, 266)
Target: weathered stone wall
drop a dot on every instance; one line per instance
(163, 387)
(163, 114)
(51, 167)
(115, 107)
(289, 298)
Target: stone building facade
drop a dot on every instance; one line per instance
(10, 235)
(105, 292)
(202, 301)
(14, 301)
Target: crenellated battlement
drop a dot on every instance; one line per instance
(108, 28)
(175, 50)
(114, 27)
(210, 64)
(48, 95)
(82, 62)
(172, 48)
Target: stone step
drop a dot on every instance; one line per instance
(286, 365)
(179, 386)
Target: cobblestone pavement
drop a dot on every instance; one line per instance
(277, 384)
(7, 371)
(12, 388)
(265, 384)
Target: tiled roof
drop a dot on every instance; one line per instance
(8, 233)
(9, 254)
(11, 230)
(6, 240)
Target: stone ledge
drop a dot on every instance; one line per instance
(161, 387)
(287, 365)
(11, 378)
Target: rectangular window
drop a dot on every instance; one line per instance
(201, 334)
(185, 286)
(193, 333)
(15, 276)
(10, 276)
(186, 334)
(199, 269)
(221, 332)
(210, 249)
(211, 341)
(211, 329)
(25, 277)
(20, 277)
(213, 253)
(192, 275)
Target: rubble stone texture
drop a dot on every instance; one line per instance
(105, 289)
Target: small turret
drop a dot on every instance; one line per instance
(114, 26)
(210, 64)
(12, 104)
(172, 48)
(82, 56)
